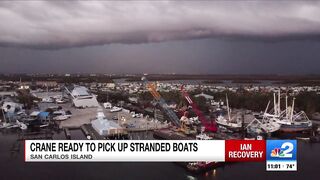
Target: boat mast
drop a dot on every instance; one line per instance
(47, 89)
(279, 107)
(228, 109)
(265, 112)
(292, 109)
(286, 106)
(274, 104)
(69, 92)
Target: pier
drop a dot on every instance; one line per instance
(171, 135)
(88, 130)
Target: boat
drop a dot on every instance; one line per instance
(197, 167)
(44, 125)
(195, 120)
(257, 127)
(288, 119)
(107, 105)
(115, 109)
(61, 118)
(203, 136)
(17, 124)
(21, 125)
(61, 101)
(6, 125)
(270, 127)
(229, 123)
(258, 137)
(61, 115)
(47, 100)
(294, 126)
(263, 126)
(136, 115)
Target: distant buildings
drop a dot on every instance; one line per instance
(46, 83)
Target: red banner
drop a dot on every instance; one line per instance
(245, 150)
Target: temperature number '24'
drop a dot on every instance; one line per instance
(288, 147)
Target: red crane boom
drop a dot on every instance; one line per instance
(209, 125)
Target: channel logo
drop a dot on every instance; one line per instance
(281, 150)
(277, 153)
(281, 155)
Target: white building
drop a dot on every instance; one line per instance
(82, 98)
(105, 127)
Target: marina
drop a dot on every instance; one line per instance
(165, 89)
(68, 114)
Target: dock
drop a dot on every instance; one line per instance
(143, 129)
(171, 134)
(88, 130)
(85, 130)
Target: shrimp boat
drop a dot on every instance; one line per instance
(288, 119)
(257, 127)
(229, 123)
(296, 123)
(262, 126)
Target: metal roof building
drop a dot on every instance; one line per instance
(82, 98)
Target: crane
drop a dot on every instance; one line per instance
(208, 125)
(153, 90)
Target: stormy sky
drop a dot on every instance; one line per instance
(214, 37)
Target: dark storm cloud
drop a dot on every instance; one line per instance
(204, 56)
(58, 24)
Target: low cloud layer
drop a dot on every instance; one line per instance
(59, 24)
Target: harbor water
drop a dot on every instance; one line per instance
(12, 166)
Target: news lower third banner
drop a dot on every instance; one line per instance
(278, 154)
(123, 150)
